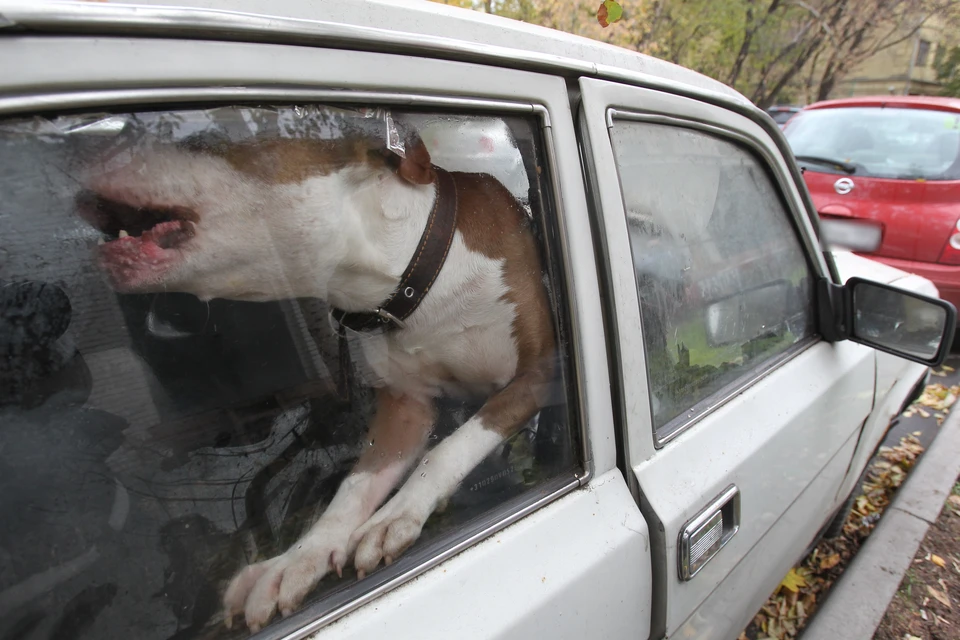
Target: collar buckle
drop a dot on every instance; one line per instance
(386, 316)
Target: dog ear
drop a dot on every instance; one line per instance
(416, 167)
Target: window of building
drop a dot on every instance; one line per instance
(923, 53)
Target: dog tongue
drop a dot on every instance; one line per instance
(132, 249)
(149, 248)
(166, 234)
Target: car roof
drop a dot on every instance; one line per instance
(907, 102)
(388, 25)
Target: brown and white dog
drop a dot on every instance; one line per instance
(340, 220)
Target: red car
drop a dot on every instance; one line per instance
(884, 173)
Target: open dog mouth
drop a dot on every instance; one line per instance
(165, 227)
(140, 244)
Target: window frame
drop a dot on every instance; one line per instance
(709, 404)
(555, 248)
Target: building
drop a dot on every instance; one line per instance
(906, 68)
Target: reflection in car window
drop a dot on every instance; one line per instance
(723, 282)
(887, 142)
(175, 399)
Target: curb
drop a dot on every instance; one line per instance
(858, 600)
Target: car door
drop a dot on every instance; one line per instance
(159, 443)
(738, 421)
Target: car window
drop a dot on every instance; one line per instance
(781, 117)
(889, 142)
(723, 281)
(176, 402)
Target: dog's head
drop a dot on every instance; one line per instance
(255, 220)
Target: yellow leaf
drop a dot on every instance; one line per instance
(829, 562)
(937, 560)
(940, 596)
(946, 368)
(793, 581)
(609, 12)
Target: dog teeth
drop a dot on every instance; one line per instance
(101, 241)
(124, 234)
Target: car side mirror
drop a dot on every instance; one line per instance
(747, 315)
(904, 323)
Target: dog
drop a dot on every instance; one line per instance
(340, 220)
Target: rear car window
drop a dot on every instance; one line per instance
(781, 116)
(890, 142)
(154, 443)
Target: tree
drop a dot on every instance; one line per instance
(948, 71)
(766, 49)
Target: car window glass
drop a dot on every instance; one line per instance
(723, 282)
(175, 400)
(887, 142)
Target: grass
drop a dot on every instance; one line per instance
(693, 335)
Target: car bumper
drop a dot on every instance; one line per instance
(945, 277)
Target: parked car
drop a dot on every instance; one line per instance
(781, 114)
(884, 173)
(720, 378)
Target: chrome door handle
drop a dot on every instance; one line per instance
(708, 531)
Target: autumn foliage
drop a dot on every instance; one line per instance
(772, 51)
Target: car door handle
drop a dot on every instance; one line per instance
(708, 531)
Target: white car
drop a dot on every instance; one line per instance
(720, 380)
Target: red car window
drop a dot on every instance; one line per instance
(880, 142)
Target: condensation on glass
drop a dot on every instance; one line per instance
(153, 444)
(723, 282)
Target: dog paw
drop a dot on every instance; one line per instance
(281, 583)
(390, 532)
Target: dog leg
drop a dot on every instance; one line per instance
(397, 436)
(398, 524)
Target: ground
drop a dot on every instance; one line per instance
(927, 605)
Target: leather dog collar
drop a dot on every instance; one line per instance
(422, 270)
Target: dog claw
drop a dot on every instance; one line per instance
(228, 621)
(337, 560)
(387, 560)
(361, 574)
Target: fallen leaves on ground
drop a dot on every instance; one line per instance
(937, 560)
(795, 579)
(936, 396)
(791, 605)
(940, 596)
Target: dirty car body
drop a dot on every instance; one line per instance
(687, 383)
